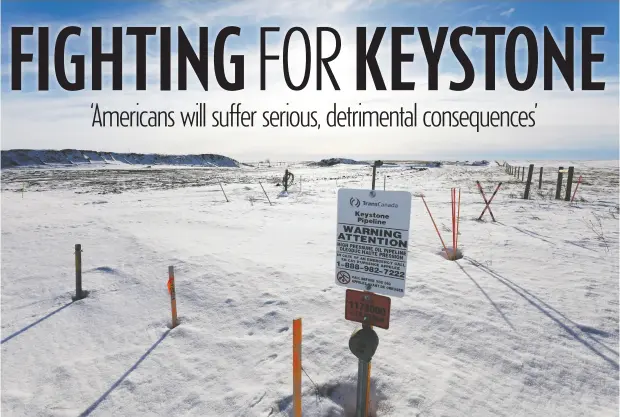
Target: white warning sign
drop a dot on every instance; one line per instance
(372, 240)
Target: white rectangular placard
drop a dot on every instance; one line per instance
(372, 240)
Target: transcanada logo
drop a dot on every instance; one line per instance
(379, 204)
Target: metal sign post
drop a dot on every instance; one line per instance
(371, 256)
(363, 344)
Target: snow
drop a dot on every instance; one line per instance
(525, 324)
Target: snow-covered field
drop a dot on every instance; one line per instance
(526, 324)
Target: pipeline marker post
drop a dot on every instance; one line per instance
(456, 212)
(558, 188)
(371, 257)
(224, 193)
(569, 183)
(530, 172)
(79, 293)
(297, 367)
(487, 203)
(173, 296)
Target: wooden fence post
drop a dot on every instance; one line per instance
(558, 187)
(569, 183)
(540, 178)
(79, 294)
(530, 172)
(522, 173)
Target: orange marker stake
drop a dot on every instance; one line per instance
(297, 367)
(453, 197)
(458, 218)
(173, 297)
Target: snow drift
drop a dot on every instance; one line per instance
(27, 157)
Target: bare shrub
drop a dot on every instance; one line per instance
(596, 226)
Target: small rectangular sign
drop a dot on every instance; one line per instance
(367, 308)
(372, 238)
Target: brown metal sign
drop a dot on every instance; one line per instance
(367, 308)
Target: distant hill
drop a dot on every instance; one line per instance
(335, 161)
(74, 157)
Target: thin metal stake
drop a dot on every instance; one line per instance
(224, 192)
(261, 186)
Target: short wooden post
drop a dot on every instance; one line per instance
(569, 183)
(79, 294)
(297, 367)
(173, 296)
(558, 187)
(530, 172)
(522, 173)
(285, 180)
(540, 178)
(374, 173)
(261, 186)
